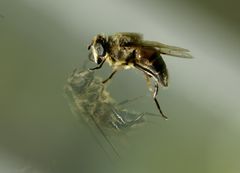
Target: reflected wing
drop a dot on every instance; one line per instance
(168, 50)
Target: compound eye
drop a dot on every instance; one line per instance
(100, 50)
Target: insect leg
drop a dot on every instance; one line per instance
(156, 101)
(111, 75)
(147, 77)
(150, 73)
(130, 100)
(123, 120)
(98, 67)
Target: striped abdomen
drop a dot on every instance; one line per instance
(153, 63)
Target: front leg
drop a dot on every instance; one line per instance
(100, 66)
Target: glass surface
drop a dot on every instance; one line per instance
(42, 42)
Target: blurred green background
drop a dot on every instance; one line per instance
(42, 41)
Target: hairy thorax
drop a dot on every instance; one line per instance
(121, 57)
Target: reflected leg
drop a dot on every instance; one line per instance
(130, 100)
(123, 120)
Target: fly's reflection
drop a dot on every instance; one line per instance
(90, 101)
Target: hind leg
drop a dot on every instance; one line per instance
(156, 101)
(149, 73)
(149, 84)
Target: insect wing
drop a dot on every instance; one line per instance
(168, 50)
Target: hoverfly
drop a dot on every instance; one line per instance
(91, 102)
(129, 50)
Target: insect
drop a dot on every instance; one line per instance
(129, 50)
(90, 100)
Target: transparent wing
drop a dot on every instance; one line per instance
(168, 50)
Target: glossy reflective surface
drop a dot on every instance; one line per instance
(41, 42)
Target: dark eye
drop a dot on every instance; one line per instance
(100, 50)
